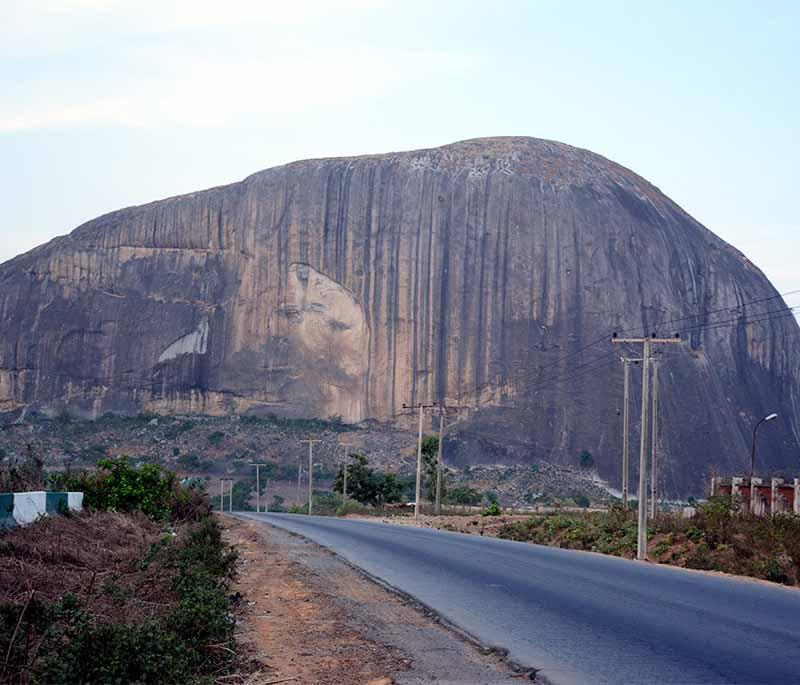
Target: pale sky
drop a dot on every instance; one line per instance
(110, 103)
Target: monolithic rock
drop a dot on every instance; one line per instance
(488, 273)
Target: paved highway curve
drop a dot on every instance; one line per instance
(581, 618)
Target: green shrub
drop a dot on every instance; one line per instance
(146, 653)
(492, 510)
(117, 486)
(351, 507)
(464, 496)
(216, 438)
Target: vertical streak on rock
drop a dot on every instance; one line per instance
(326, 222)
(414, 310)
(478, 332)
(395, 301)
(430, 286)
(545, 262)
(442, 366)
(220, 238)
(505, 350)
(369, 267)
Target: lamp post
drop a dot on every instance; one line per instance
(755, 431)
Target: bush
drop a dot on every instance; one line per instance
(368, 486)
(351, 507)
(216, 438)
(492, 510)
(613, 532)
(161, 615)
(464, 496)
(120, 487)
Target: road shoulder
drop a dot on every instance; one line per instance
(311, 618)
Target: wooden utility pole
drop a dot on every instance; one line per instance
(422, 407)
(299, 476)
(439, 455)
(626, 427)
(311, 444)
(438, 505)
(653, 445)
(346, 446)
(258, 487)
(222, 494)
(626, 430)
(641, 542)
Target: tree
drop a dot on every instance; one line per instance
(366, 485)
(242, 491)
(464, 496)
(430, 457)
(586, 460)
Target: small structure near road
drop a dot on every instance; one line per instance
(758, 495)
(22, 508)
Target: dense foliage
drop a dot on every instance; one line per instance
(720, 537)
(464, 496)
(140, 598)
(368, 486)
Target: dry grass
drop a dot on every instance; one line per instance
(83, 556)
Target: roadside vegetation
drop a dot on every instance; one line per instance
(132, 590)
(720, 537)
(210, 448)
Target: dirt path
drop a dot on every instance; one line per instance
(313, 619)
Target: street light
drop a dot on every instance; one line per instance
(753, 454)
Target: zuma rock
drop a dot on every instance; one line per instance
(488, 274)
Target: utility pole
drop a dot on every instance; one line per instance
(626, 428)
(653, 444)
(258, 487)
(222, 495)
(299, 476)
(438, 505)
(422, 408)
(310, 469)
(346, 446)
(641, 542)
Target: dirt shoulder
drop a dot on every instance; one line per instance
(476, 524)
(311, 618)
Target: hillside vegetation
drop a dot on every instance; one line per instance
(132, 590)
(721, 537)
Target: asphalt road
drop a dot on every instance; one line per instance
(579, 617)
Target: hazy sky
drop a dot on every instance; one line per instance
(109, 103)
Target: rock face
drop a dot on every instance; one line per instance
(488, 273)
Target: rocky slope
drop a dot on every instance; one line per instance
(475, 273)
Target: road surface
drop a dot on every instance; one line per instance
(579, 617)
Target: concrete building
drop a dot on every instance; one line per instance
(758, 496)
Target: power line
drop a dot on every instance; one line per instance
(663, 324)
